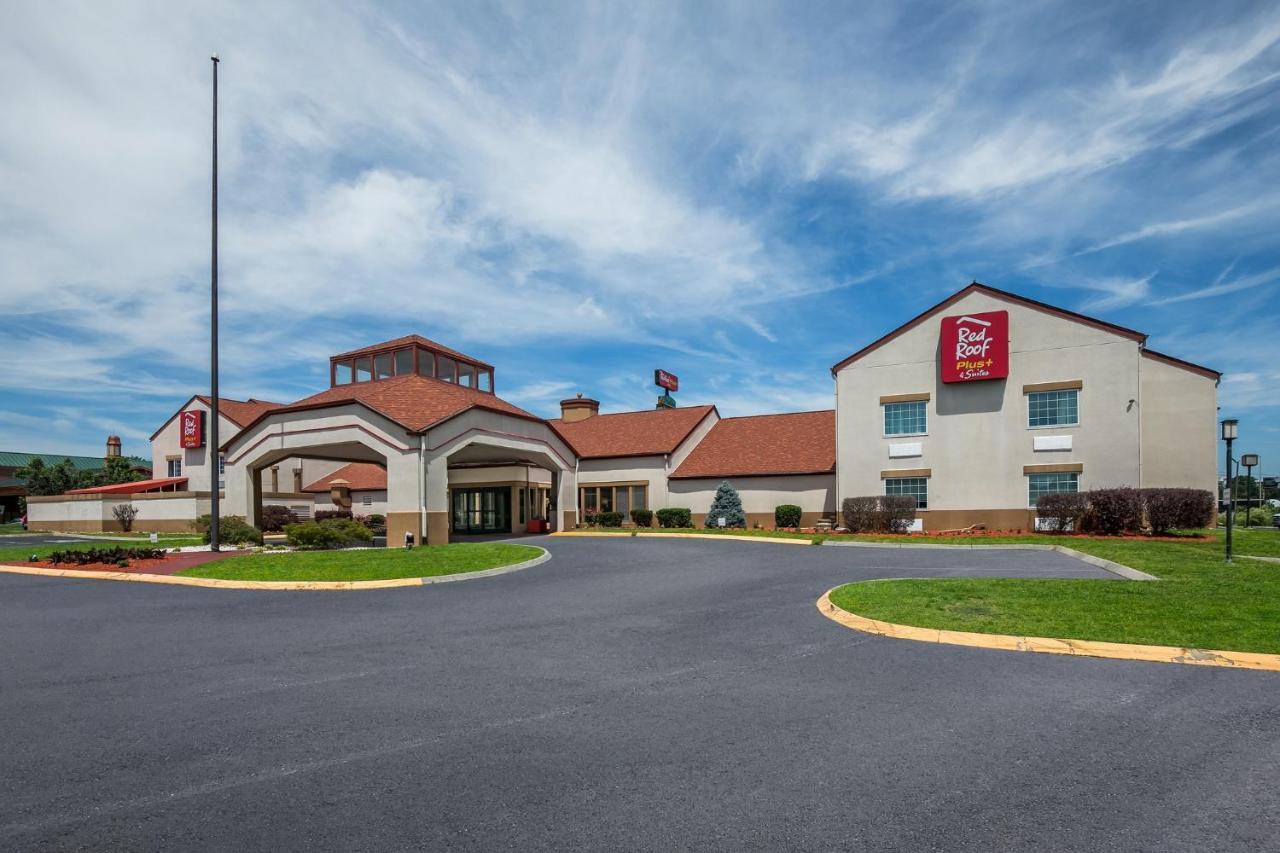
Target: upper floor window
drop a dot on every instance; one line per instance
(484, 379)
(905, 418)
(364, 368)
(404, 361)
(342, 373)
(382, 365)
(916, 487)
(466, 375)
(175, 466)
(446, 368)
(1053, 408)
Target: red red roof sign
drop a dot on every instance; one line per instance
(191, 427)
(975, 347)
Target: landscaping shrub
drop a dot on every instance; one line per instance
(376, 522)
(590, 518)
(325, 514)
(610, 519)
(1178, 509)
(879, 513)
(1113, 511)
(329, 533)
(675, 516)
(727, 504)
(642, 517)
(125, 514)
(275, 517)
(1062, 510)
(859, 513)
(232, 530)
(109, 556)
(786, 515)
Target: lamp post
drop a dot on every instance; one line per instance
(214, 458)
(1248, 460)
(1230, 431)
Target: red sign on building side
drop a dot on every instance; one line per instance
(975, 347)
(666, 380)
(191, 426)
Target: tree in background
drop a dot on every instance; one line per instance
(42, 479)
(117, 469)
(727, 504)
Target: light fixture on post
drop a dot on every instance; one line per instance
(1248, 460)
(1230, 431)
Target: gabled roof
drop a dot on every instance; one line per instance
(239, 412)
(407, 340)
(975, 287)
(651, 432)
(133, 488)
(414, 402)
(763, 445)
(360, 476)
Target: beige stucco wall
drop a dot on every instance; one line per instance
(813, 493)
(162, 512)
(978, 440)
(649, 470)
(1179, 414)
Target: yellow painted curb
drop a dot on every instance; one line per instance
(214, 583)
(687, 536)
(1048, 645)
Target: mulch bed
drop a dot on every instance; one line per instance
(169, 565)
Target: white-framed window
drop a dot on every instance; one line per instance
(174, 466)
(1053, 408)
(916, 487)
(1051, 484)
(905, 418)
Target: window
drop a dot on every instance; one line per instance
(606, 499)
(916, 487)
(426, 363)
(364, 369)
(1053, 408)
(404, 362)
(1051, 484)
(466, 375)
(342, 373)
(621, 499)
(638, 495)
(905, 418)
(175, 466)
(484, 380)
(589, 500)
(222, 464)
(366, 500)
(522, 500)
(382, 365)
(446, 367)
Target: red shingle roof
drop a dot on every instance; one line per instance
(360, 476)
(240, 412)
(414, 402)
(647, 433)
(133, 488)
(760, 445)
(413, 339)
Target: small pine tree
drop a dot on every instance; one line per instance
(727, 505)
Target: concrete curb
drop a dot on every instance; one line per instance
(287, 586)
(1115, 568)
(1049, 645)
(777, 540)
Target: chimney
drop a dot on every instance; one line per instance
(578, 409)
(113, 446)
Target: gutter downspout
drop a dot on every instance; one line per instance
(422, 495)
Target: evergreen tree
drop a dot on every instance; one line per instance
(727, 505)
(42, 479)
(117, 469)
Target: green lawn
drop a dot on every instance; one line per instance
(11, 527)
(18, 554)
(1199, 602)
(367, 565)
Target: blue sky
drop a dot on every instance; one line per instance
(742, 193)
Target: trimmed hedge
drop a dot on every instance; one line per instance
(1178, 509)
(329, 533)
(642, 517)
(786, 515)
(232, 530)
(879, 513)
(275, 517)
(326, 514)
(675, 516)
(1063, 510)
(609, 519)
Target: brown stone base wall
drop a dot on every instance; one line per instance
(158, 525)
(399, 523)
(437, 528)
(994, 519)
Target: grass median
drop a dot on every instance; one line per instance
(366, 565)
(1199, 602)
(15, 554)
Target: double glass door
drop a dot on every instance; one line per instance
(481, 511)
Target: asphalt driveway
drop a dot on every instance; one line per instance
(631, 693)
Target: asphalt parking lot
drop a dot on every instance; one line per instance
(630, 693)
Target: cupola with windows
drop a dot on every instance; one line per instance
(412, 354)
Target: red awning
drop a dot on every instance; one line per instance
(171, 483)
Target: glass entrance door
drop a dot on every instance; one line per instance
(481, 511)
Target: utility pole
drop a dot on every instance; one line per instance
(214, 456)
